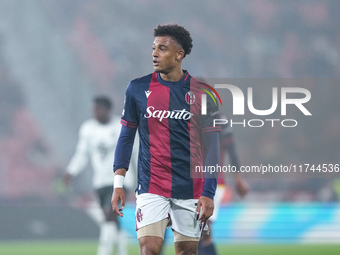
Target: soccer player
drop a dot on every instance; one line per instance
(227, 144)
(176, 135)
(97, 140)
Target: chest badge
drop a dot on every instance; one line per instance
(190, 97)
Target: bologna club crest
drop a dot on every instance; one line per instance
(139, 215)
(190, 97)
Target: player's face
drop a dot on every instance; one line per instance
(101, 113)
(167, 54)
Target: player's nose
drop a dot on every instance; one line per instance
(154, 53)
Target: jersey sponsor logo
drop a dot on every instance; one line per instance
(147, 93)
(190, 97)
(139, 215)
(164, 114)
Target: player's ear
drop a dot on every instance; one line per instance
(180, 55)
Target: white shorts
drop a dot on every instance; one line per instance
(152, 208)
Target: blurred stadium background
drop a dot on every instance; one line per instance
(56, 55)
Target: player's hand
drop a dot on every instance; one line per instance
(207, 206)
(242, 187)
(118, 195)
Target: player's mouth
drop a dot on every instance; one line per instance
(155, 63)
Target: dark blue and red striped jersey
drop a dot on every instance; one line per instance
(170, 126)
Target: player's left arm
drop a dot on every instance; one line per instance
(241, 186)
(211, 144)
(205, 205)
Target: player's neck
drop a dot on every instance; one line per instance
(173, 76)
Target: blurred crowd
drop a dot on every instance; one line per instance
(27, 167)
(111, 41)
(259, 38)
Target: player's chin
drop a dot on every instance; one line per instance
(157, 69)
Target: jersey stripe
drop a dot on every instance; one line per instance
(144, 151)
(180, 144)
(160, 179)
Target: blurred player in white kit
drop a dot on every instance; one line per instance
(97, 141)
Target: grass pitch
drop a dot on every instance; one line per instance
(89, 248)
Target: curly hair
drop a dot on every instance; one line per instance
(178, 33)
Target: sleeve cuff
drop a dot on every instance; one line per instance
(208, 194)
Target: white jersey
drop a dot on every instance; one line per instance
(97, 142)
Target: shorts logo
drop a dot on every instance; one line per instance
(190, 97)
(139, 215)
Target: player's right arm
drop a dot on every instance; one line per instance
(118, 192)
(123, 150)
(121, 164)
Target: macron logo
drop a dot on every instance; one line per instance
(147, 93)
